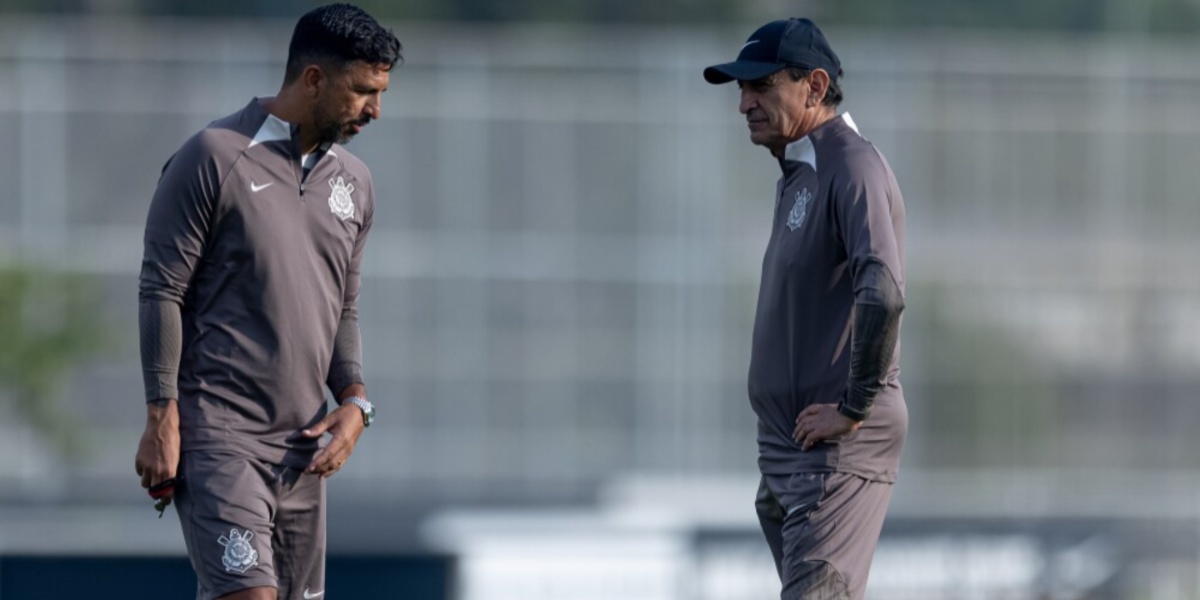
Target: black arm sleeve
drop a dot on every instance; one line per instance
(878, 303)
(162, 344)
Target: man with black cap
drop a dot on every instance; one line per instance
(824, 362)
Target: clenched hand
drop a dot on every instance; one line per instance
(157, 457)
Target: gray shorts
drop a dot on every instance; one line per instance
(248, 524)
(822, 529)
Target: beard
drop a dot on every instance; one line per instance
(333, 130)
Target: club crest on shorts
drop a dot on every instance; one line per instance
(799, 209)
(239, 554)
(339, 200)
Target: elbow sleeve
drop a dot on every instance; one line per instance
(878, 302)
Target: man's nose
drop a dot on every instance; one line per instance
(748, 102)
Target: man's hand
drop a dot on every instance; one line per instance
(820, 422)
(157, 457)
(346, 425)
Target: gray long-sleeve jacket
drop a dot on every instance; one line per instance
(249, 285)
(828, 318)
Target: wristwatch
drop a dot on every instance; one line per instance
(365, 406)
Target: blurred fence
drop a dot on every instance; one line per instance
(559, 285)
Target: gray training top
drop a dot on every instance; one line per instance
(262, 263)
(835, 257)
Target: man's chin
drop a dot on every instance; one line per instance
(759, 139)
(346, 135)
(337, 136)
(343, 138)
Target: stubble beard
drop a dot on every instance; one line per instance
(331, 130)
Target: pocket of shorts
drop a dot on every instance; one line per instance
(805, 491)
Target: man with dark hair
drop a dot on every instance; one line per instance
(248, 309)
(824, 361)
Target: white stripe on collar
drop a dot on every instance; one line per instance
(850, 121)
(308, 161)
(273, 129)
(802, 149)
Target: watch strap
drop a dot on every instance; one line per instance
(368, 409)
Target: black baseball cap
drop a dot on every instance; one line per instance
(776, 46)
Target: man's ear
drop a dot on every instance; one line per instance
(818, 84)
(314, 80)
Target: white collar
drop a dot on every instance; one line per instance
(802, 150)
(273, 129)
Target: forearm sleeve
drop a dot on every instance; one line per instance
(346, 367)
(878, 303)
(162, 344)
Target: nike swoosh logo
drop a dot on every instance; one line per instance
(256, 189)
(308, 596)
(747, 44)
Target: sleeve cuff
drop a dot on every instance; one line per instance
(343, 378)
(851, 412)
(160, 390)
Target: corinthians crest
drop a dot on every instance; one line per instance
(239, 554)
(799, 209)
(339, 200)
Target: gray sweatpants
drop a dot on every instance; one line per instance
(822, 529)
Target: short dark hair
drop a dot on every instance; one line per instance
(337, 35)
(833, 95)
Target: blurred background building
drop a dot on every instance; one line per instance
(560, 287)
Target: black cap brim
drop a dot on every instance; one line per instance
(742, 70)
